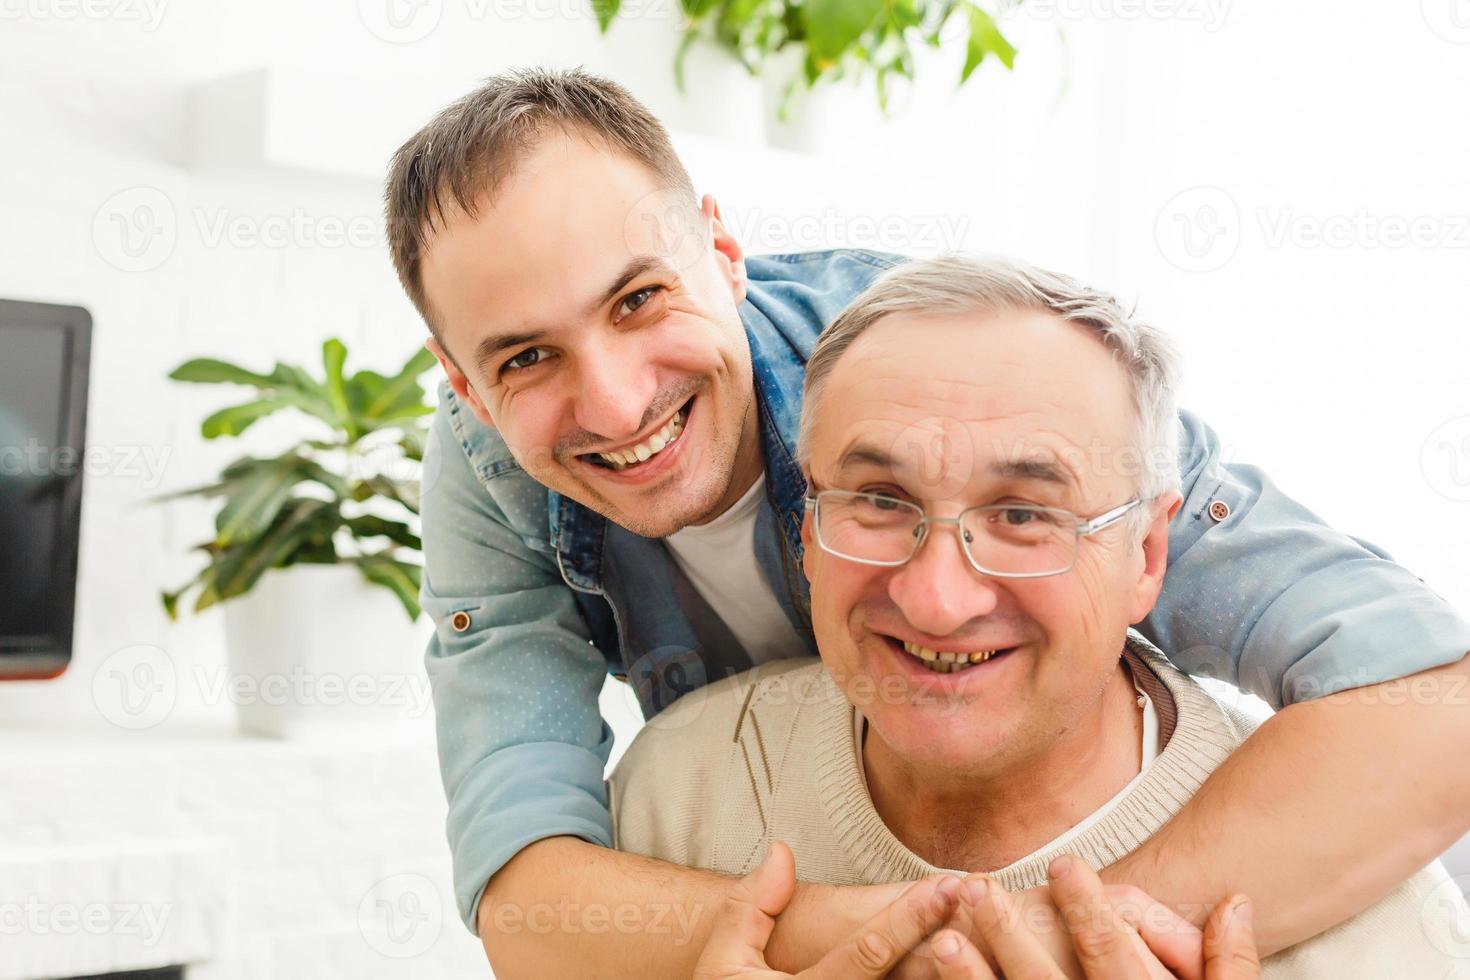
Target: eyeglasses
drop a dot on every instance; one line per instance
(1000, 540)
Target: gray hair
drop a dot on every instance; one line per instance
(957, 285)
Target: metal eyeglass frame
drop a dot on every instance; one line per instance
(1084, 528)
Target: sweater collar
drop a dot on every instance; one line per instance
(1199, 735)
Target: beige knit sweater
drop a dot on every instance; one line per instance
(771, 755)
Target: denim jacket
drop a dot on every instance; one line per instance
(535, 598)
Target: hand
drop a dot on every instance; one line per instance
(737, 943)
(1090, 931)
(1105, 939)
(1230, 942)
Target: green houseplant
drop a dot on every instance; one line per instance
(836, 38)
(347, 496)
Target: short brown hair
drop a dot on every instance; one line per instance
(472, 146)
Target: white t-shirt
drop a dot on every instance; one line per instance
(719, 560)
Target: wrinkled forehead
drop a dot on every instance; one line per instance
(948, 404)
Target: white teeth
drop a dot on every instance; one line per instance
(655, 443)
(944, 662)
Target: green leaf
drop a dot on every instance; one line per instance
(317, 473)
(209, 596)
(413, 443)
(207, 490)
(404, 492)
(691, 34)
(334, 355)
(249, 465)
(306, 393)
(377, 401)
(316, 553)
(985, 39)
(373, 526)
(832, 26)
(605, 10)
(285, 386)
(400, 577)
(206, 370)
(306, 522)
(291, 378)
(237, 418)
(256, 499)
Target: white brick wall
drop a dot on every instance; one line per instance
(243, 857)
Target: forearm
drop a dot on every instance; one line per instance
(564, 907)
(1356, 791)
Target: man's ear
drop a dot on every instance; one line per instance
(1155, 548)
(725, 244)
(459, 382)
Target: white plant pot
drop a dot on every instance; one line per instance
(317, 651)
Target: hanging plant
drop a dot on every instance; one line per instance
(836, 38)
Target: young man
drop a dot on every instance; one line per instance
(612, 488)
(980, 703)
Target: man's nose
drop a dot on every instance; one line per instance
(615, 383)
(938, 591)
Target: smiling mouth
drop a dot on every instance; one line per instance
(947, 661)
(634, 456)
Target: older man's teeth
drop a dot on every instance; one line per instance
(946, 662)
(652, 446)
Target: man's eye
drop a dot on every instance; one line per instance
(633, 301)
(884, 499)
(529, 357)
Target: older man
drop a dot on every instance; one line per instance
(988, 449)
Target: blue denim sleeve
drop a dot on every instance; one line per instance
(522, 744)
(1261, 593)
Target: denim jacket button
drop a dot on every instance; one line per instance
(460, 621)
(1219, 510)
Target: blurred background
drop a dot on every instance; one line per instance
(1282, 187)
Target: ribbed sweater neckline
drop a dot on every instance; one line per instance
(1201, 739)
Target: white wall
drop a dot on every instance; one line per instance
(1076, 160)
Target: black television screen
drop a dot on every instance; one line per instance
(44, 353)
